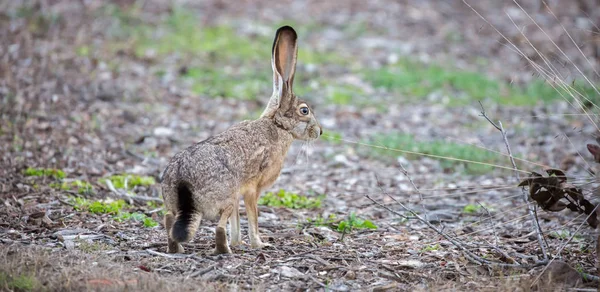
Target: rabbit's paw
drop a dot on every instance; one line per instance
(221, 250)
(260, 244)
(237, 243)
(174, 247)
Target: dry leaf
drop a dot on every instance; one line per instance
(553, 193)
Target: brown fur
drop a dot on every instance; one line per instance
(205, 180)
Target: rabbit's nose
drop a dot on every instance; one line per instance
(321, 132)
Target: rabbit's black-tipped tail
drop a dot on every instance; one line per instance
(187, 220)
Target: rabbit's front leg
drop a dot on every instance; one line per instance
(234, 225)
(251, 201)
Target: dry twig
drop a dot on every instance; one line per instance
(530, 210)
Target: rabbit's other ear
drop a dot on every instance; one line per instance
(283, 61)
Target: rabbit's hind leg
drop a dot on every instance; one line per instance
(221, 245)
(172, 245)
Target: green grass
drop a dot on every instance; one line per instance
(436, 147)
(18, 282)
(128, 181)
(346, 225)
(476, 208)
(114, 208)
(80, 204)
(182, 32)
(98, 207)
(45, 172)
(289, 200)
(148, 222)
(83, 51)
(344, 94)
(418, 80)
(352, 222)
(214, 81)
(82, 187)
(219, 61)
(430, 248)
(227, 62)
(471, 209)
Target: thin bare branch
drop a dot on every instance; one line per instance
(530, 210)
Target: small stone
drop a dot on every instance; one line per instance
(288, 272)
(163, 132)
(350, 275)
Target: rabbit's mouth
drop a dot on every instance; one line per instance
(307, 132)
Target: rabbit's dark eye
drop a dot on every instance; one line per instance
(304, 110)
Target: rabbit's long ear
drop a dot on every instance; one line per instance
(283, 61)
(284, 55)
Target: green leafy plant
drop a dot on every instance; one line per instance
(149, 222)
(48, 172)
(80, 204)
(115, 208)
(140, 217)
(476, 208)
(98, 207)
(129, 181)
(346, 225)
(60, 186)
(430, 248)
(289, 200)
(471, 208)
(323, 221)
(111, 207)
(83, 187)
(353, 222)
(83, 51)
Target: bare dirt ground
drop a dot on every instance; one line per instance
(64, 109)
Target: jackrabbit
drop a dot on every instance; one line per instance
(205, 180)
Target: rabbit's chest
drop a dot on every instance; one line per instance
(265, 169)
(270, 174)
